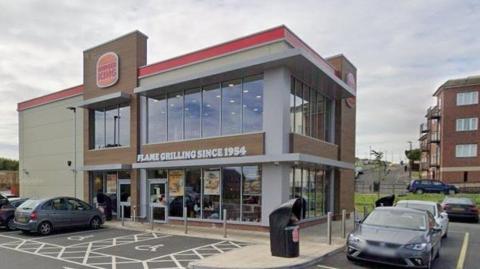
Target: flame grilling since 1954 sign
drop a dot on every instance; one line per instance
(107, 70)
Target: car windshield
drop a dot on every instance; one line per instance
(460, 201)
(29, 204)
(397, 219)
(424, 207)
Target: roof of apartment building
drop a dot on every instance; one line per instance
(459, 82)
(253, 40)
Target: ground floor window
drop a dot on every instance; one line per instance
(205, 192)
(310, 185)
(105, 183)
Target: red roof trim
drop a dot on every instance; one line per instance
(70, 92)
(296, 42)
(270, 35)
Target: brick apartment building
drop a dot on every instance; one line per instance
(449, 138)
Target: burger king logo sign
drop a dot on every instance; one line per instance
(351, 82)
(107, 70)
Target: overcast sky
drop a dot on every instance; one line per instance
(403, 50)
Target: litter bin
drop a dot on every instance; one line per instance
(105, 204)
(284, 229)
(385, 201)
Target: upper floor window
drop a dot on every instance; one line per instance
(466, 150)
(467, 98)
(309, 111)
(467, 124)
(110, 127)
(230, 107)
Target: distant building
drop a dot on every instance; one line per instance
(449, 138)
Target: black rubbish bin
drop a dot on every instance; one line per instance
(385, 201)
(105, 204)
(284, 229)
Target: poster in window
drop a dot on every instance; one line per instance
(211, 182)
(111, 183)
(251, 182)
(175, 183)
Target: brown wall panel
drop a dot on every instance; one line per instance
(308, 145)
(254, 143)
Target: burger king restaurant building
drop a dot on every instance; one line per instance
(242, 126)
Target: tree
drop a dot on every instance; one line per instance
(413, 155)
(381, 167)
(8, 164)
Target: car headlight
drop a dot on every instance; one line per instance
(418, 246)
(354, 239)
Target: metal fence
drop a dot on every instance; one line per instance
(385, 188)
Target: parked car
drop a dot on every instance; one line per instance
(396, 236)
(7, 211)
(420, 186)
(436, 209)
(44, 216)
(463, 208)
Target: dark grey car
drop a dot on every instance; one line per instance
(396, 236)
(44, 216)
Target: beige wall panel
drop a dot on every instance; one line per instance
(217, 63)
(46, 143)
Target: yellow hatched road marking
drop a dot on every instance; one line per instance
(463, 252)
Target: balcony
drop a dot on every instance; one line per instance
(435, 137)
(433, 112)
(434, 161)
(424, 146)
(424, 128)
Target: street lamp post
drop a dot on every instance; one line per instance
(74, 110)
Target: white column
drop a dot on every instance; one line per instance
(275, 186)
(276, 110)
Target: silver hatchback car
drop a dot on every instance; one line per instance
(44, 216)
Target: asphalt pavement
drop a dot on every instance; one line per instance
(450, 254)
(106, 248)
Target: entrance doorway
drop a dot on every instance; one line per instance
(158, 200)
(125, 191)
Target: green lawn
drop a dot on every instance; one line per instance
(368, 200)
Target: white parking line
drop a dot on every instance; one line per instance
(326, 267)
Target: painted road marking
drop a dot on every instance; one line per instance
(79, 237)
(463, 252)
(325, 267)
(151, 248)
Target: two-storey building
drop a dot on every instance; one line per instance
(241, 126)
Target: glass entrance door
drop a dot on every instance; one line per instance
(158, 200)
(125, 189)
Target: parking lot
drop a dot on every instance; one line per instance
(106, 248)
(450, 254)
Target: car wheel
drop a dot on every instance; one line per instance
(419, 191)
(45, 228)
(10, 224)
(95, 223)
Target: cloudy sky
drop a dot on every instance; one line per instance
(403, 49)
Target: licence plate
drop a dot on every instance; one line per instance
(21, 219)
(458, 209)
(386, 252)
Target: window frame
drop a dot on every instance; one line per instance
(466, 124)
(462, 100)
(462, 150)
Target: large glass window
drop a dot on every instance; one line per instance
(156, 119)
(252, 104)
(193, 102)
(308, 184)
(175, 115)
(193, 185)
(251, 194)
(298, 107)
(232, 178)
(211, 193)
(110, 127)
(309, 111)
(211, 110)
(175, 192)
(232, 107)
